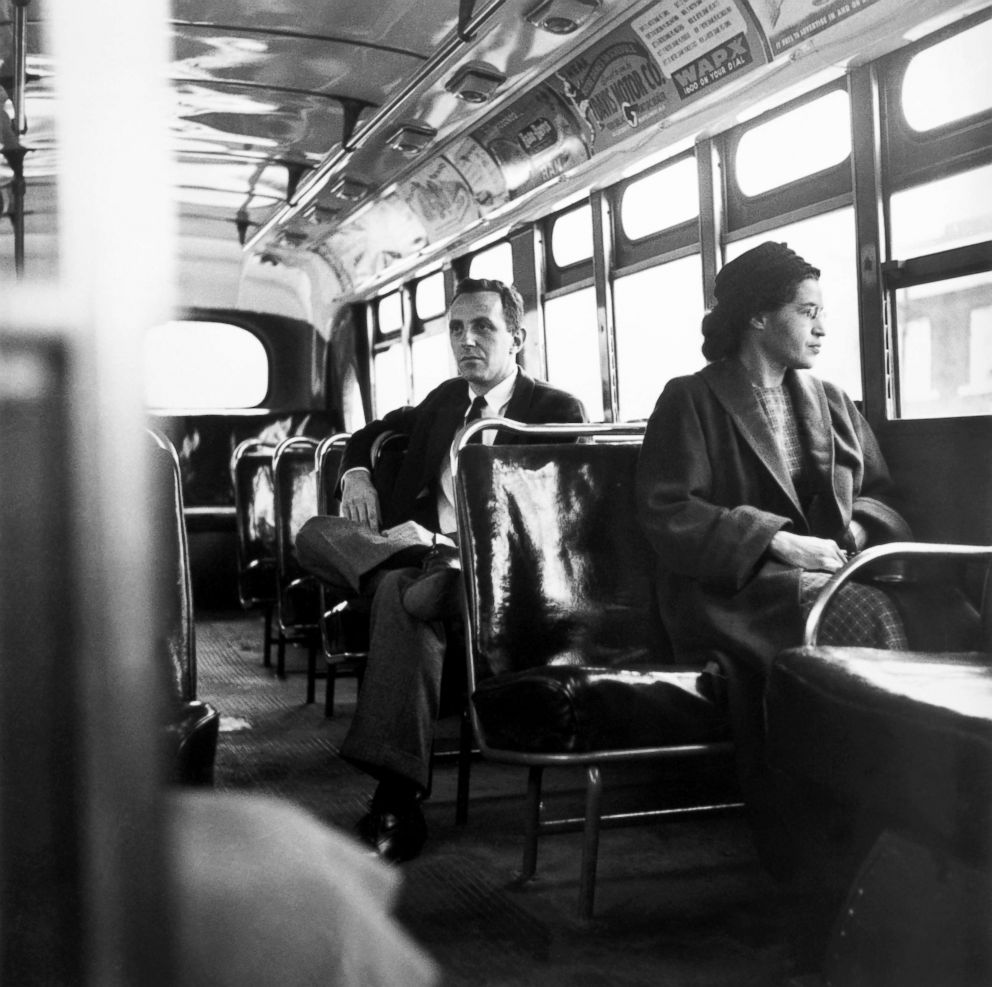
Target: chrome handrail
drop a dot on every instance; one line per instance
(552, 431)
(893, 550)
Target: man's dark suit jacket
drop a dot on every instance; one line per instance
(431, 426)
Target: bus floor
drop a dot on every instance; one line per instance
(677, 902)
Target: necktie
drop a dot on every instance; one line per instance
(474, 414)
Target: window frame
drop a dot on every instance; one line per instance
(571, 277)
(912, 157)
(631, 254)
(193, 317)
(822, 191)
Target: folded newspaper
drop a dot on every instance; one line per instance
(342, 551)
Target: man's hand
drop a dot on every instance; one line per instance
(806, 552)
(360, 500)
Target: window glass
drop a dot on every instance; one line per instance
(945, 348)
(204, 365)
(801, 142)
(430, 296)
(390, 380)
(828, 242)
(661, 200)
(390, 313)
(432, 363)
(571, 237)
(658, 313)
(950, 212)
(494, 262)
(572, 346)
(963, 58)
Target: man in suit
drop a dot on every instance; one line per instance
(393, 729)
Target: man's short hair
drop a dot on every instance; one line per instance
(511, 299)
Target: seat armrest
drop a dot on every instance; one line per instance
(896, 551)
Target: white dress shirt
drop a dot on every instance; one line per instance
(497, 401)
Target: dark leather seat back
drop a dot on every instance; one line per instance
(295, 483)
(575, 588)
(255, 521)
(191, 727)
(328, 464)
(175, 596)
(388, 452)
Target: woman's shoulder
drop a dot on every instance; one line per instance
(695, 383)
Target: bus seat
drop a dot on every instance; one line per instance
(888, 745)
(905, 733)
(338, 659)
(567, 661)
(191, 726)
(255, 523)
(344, 620)
(295, 487)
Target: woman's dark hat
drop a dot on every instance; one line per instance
(758, 269)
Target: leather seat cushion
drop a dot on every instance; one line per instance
(572, 708)
(907, 735)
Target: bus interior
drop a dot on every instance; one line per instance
(239, 227)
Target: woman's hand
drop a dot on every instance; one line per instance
(806, 552)
(360, 500)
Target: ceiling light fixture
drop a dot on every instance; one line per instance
(411, 138)
(475, 82)
(562, 16)
(349, 189)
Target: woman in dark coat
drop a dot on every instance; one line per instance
(756, 479)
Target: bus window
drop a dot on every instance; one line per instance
(199, 365)
(388, 362)
(658, 314)
(495, 262)
(390, 379)
(661, 200)
(939, 276)
(942, 214)
(816, 134)
(430, 352)
(963, 58)
(945, 347)
(828, 242)
(571, 237)
(431, 356)
(429, 297)
(572, 346)
(389, 318)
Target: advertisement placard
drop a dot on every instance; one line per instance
(787, 23)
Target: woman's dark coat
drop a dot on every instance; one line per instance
(713, 490)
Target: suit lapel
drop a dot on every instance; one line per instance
(733, 390)
(450, 417)
(518, 410)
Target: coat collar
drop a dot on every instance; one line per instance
(450, 416)
(729, 382)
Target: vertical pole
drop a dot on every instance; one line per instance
(116, 230)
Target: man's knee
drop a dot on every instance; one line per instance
(433, 595)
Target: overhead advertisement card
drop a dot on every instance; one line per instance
(646, 69)
(535, 139)
(788, 23)
(440, 198)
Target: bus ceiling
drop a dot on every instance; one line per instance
(376, 138)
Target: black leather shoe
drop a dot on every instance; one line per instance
(395, 836)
